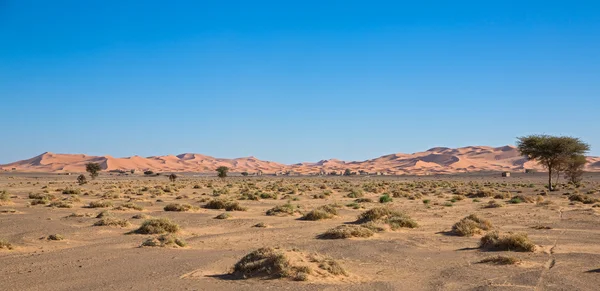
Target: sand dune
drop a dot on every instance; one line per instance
(438, 160)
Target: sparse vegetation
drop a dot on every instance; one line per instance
(282, 210)
(157, 226)
(164, 241)
(500, 260)
(93, 169)
(178, 207)
(518, 242)
(470, 226)
(323, 212)
(112, 221)
(395, 219)
(347, 231)
(228, 205)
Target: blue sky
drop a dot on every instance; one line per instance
(293, 81)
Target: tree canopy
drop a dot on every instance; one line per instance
(93, 169)
(222, 171)
(552, 152)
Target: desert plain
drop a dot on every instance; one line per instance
(313, 233)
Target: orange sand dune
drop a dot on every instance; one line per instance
(439, 160)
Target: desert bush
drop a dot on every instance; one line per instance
(322, 212)
(81, 179)
(157, 226)
(56, 237)
(470, 225)
(100, 204)
(225, 204)
(500, 260)
(263, 263)
(510, 242)
(282, 210)
(129, 205)
(163, 241)
(5, 245)
(356, 193)
(260, 225)
(104, 213)
(140, 216)
(60, 204)
(585, 199)
(493, 204)
(4, 196)
(385, 198)
(112, 221)
(269, 263)
(177, 207)
(346, 231)
(395, 219)
(223, 216)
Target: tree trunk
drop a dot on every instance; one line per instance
(549, 179)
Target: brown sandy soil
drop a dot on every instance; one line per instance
(428, 257)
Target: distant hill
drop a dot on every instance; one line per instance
(437, 160)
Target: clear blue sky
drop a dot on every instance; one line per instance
(293, 81)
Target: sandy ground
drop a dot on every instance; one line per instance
(567, 255)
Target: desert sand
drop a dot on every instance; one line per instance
(438, 160)
(562, 228)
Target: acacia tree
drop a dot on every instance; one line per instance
(222, 171)
(173, 177)
(93, 169)
(552, 152)
(574, 169)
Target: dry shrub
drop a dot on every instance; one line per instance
(270, 263)
(347, 231)
(100, 204)
(60, 204)
(129, 205)
(471, 225)
(323, 212)
(178, 207)
(493, 204)
(500, 260)
(585, 199)
(5, 245)
(225, 204)
(223, 216)
(112, 221)
(518, 242)
(282, 210)
(164, 241)
(157, 226)
(395, 219)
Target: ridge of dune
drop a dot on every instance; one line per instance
(440, 160)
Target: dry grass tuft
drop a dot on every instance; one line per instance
(470, 226)
(164, 241)
(323, 212)
(585, 199)
(500, 260)
(347, 231)
(157, 226)
(5, 245)
(518, 242)
(112, 221)
(270, 263)
(395, 219)
(282, 210)
(100, 204)
(225, 204)
(178, 207)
